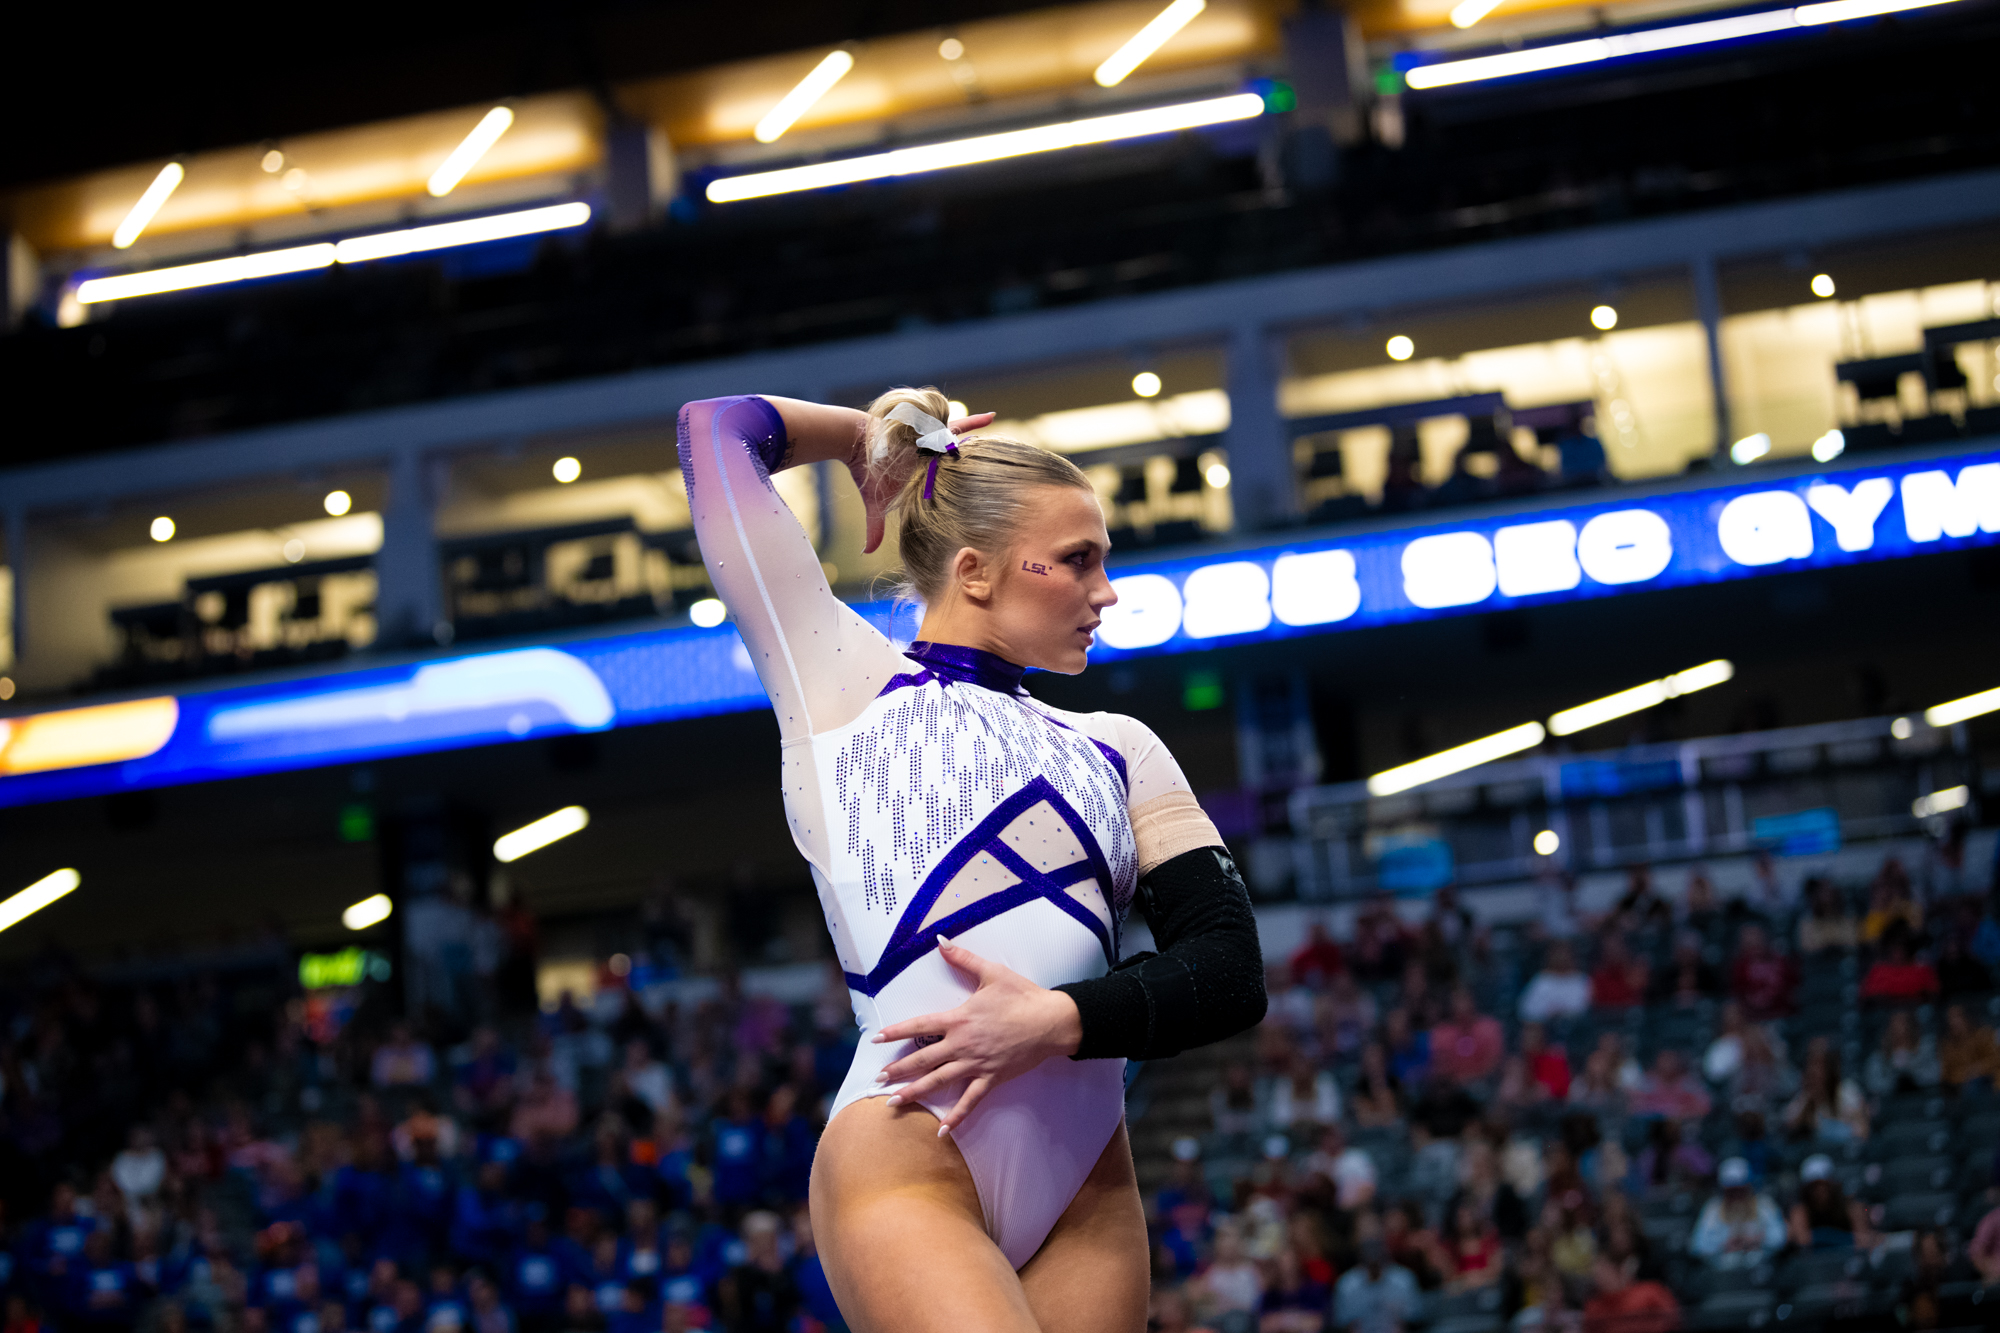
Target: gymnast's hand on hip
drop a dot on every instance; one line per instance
(1007, 1027)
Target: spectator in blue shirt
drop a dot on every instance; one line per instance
(809, 1275)
(640, 1253)
(292, 1305)
(736, 1137)
(445, 1310)
(611, 1181)
(104, 1292)
(489, 1313)
(1375, 1296)
(362, 1191)
(484, 1219)
(636, 1312)
(682, 1280)
(786, 1147)
(420, 1207)
(607, 1289)
(52, 1244)
(536, 1281)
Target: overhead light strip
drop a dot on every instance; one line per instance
(1640, 697)
(354, 250)
(987, 148)
(1961, 710)
(1147, 40)
(1530, 734)
(801, 98)
(150, 202)
(1590, 50)
(464, 157)
(1457, 759)
(533, 837)
(37, 896)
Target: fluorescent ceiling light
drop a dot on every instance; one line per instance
(37, 896)
(1456, 760)
(208, 273)
(1150, 39)
(305, 258)
(533, 837)
(1840, 11)
(1938, 802)
(473, 147)
(1468, 12)
(467, 231)
(1592, 49)
(800, 99)
(1584, 716)
(1958, 710)
(987, 148)
(370, 911)
(149, 203)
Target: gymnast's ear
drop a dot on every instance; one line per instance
(972, 574)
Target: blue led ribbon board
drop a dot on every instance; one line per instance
(1623, 541)
(1617, 544)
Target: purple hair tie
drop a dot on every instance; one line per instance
(933, 437)
(930, 473)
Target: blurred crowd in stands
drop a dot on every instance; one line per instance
(1680, 1112)
(1684, 1111)
(208, 1155)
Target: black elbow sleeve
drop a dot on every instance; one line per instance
(1205, 983)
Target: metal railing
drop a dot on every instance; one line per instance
(1795, 789)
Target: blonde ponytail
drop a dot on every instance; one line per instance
(978, 495)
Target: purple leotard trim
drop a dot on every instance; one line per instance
(948, 662)
(974, 666)
(752, 420)
(912, 940)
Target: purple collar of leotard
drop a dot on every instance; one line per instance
(973, 666)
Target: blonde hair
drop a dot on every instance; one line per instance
(978, 499)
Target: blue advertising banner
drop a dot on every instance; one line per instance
(1617, 542)
(1612, 545)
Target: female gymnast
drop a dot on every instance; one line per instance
(975, 852)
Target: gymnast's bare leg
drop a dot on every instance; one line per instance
(898, 1226)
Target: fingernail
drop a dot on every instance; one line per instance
(882, 1077)
(895, 1099)
(878, 1039)
(942, 941)
(943, 1130)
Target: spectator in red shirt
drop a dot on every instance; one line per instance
(1671, 1090)
(1622, 1305)
(1762, 979)
(1896, 976)
(1467, 1046)
(1319, 960)
(1620, 979)
(1547, 1065)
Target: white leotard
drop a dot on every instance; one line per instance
(931, 795)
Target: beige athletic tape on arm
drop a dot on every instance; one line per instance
(1169, 825)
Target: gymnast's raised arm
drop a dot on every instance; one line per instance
(819, 661)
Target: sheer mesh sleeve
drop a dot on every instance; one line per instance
(1166, 819)
(819, 662)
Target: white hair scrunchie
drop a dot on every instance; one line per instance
(934, 437)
